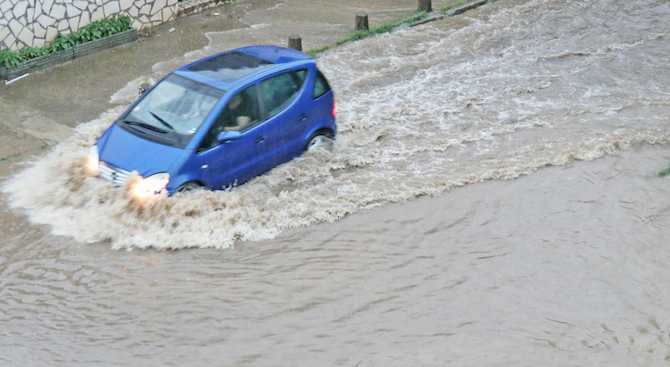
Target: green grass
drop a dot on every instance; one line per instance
(384, 28)
(10, 157)
(312, 52)
(445, 9)
(664, 172)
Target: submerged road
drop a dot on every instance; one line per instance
(402, 248)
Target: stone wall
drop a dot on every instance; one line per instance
(36, 22)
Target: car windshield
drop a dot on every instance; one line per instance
(175, 108)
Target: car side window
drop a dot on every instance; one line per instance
(280, 90)
(241, 114)
(321, 85)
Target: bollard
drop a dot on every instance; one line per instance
(295, 42)
(425, 5)
(362, 21)
(144, 87)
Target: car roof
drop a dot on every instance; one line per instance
(226, 69)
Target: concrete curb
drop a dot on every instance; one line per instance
(454, 11)
(44, 62)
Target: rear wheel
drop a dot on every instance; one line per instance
(189, 186)
(321, 140)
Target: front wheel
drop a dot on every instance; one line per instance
(320, 140)
(189, 186)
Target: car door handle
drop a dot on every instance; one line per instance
(303, 117)
(259, 139)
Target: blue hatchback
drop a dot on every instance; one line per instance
(219, 121)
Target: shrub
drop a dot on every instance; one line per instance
(96, 30)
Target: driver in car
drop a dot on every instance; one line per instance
(235, 117)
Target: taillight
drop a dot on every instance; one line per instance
(334, 110)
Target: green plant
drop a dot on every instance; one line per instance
(448, 7)
(384, 28)
(312, 52)
(664, 172)
(95, 30)
(9, 58)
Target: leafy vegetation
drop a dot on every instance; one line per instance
(664, 172)
(384, 28)
(448, 7)
(95, 30)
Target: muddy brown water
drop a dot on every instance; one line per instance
(565, 265)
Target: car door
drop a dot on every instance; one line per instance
(239, 160)
(281, 96)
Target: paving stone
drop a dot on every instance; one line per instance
(38, 9)
(46, 6)
(111, 8)
(125, 4)
(158, 6)
(85, 19)
(31, 27)
(158, 17)
(167, 14)
(72, 11)
(171, 2)
(133, 11)
(31, 3)
(92, 7)
(97, 15)
(23, 21)
(5, 6)
(145, 9)
(63, 25)
(45, 20)
(144, 19)
(26, 36)
(136, 24)
(15, 26)
(39, 31)
(30, 15)
(20, 8)
(4, 32)
(57, 11)
(74, 24)
(80, 4)
(52, 32)
(39, 42)
(9, 40)
(98, 2)
(4, 22)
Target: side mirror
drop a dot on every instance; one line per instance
(226, 136)
(144, 87)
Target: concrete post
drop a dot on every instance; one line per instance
(362, 21)
(295, 42)
(144, 87)
(425, 5)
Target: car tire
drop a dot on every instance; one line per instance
(320, 140)
(189, 186)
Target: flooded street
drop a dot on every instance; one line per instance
(410, 245)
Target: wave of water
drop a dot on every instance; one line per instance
(495, 94)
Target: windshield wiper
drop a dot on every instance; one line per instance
(145, 125)
(162, 121)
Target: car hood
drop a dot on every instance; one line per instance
(130, 152)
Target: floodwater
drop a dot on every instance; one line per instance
(563, 266)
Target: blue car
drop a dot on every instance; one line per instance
(219, 121)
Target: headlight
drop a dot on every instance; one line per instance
(93, 160)
(151, 185)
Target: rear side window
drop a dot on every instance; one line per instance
(321, 85)
(280, 90)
